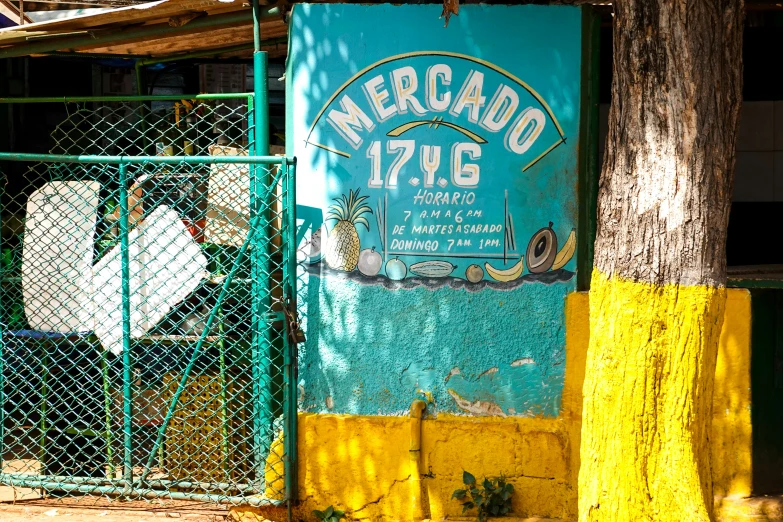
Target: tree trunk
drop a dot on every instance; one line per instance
(658, 285)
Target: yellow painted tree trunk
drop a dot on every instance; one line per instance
(658, 288)
(648, 390)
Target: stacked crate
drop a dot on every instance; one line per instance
(208, 438)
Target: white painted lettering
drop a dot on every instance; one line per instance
(470, 96)
(406, 148)
(374, 155)
(430, 161)
(465, 174)
(501, 108)
(527, 128)
(352, 118)
(405, 82)
(435, 102)
(377, 95)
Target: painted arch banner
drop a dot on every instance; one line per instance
(437, 193)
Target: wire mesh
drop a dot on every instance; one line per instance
(143, 310)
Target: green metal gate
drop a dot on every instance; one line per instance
(147, 315)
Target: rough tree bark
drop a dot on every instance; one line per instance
(658, 285)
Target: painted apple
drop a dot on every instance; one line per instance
(370, 262)
(396, 269)
(317, 244)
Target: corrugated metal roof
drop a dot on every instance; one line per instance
(161, 28)
(62, 14)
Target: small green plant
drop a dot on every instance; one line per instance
(492, 499)
(329, 514)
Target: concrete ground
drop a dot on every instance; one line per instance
(95, 509)
(23, 504)
(756, 509)
(105, 510)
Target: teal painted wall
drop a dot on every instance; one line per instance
(436, 195)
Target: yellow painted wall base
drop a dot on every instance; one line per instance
(362, 464)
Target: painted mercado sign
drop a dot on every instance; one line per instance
(439, 161)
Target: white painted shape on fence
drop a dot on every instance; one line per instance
(166, 265)
(228, 200)
(57, 256)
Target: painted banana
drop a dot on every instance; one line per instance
(508, 274)
(433, 268)
(567, 252)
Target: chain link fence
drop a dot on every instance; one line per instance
(146, 302)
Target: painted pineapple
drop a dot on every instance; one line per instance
(342, 250)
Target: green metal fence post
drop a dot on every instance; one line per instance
(108, 436)
(141, 90)
(261, 285)
(260, 86)
(224, 413)
(254, 320)
(140, 85)
(42, 425)
(289, 372)
(127, 371)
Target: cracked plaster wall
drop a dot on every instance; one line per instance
(362, 464)
(370, 466)
(371, 350)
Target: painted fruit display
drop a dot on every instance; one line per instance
(567, 252)
(433, 268)
(370, 262)
(507, 274)
(396, 269)
(541, 250)
(474, 273)
(342, 250)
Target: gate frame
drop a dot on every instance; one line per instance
(260, 179)
(259, 223)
